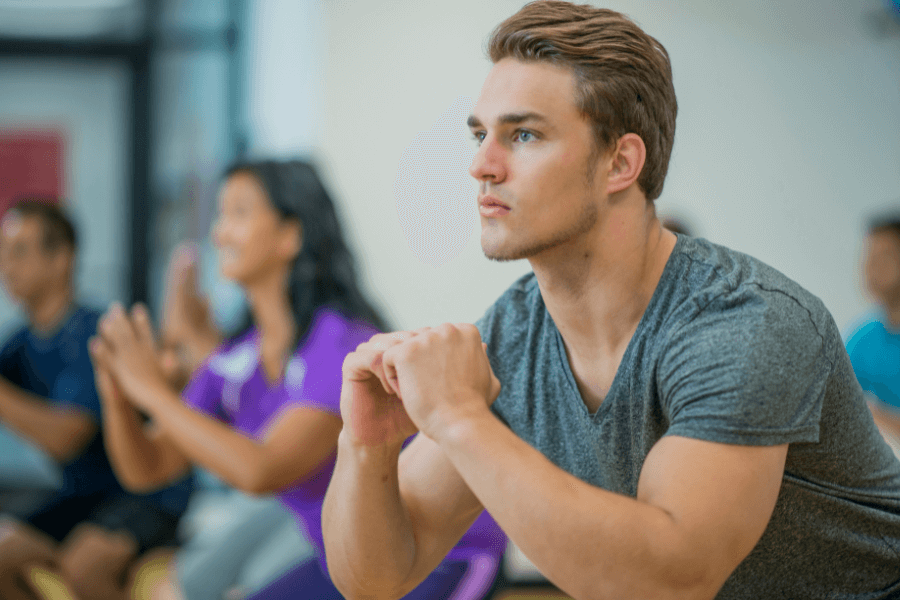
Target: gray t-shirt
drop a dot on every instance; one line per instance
(731, 351)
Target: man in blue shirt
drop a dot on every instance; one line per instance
(874, 346)
(90, 530)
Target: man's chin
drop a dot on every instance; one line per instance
(499, 254)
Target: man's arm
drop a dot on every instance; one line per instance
(62, 431)
(700, 508)
(387, 523)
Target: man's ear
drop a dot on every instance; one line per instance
(626, 163)
(291, 241)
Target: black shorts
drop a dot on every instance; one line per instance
(150, 525)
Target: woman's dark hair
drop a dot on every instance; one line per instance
(324, 273)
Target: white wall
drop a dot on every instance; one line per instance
(787, 134)
(88, 102)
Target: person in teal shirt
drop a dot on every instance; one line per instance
(874, 344)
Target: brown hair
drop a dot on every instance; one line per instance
(623, 76)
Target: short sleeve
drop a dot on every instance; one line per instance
(203, 393)
(75, 385)
(314, 374)
(748, 370)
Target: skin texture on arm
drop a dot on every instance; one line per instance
(386, 524)
(700, 508)
(61, 431)
(297, 443)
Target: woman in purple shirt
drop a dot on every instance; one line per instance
(263, 412)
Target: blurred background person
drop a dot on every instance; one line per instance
(874, 345)
(263, 412)
(232, 542)
(90, 531)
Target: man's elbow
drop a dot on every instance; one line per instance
(139, 484)
(366, 591)
(683, 584)
(69, 444)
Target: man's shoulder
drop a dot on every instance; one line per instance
(82, 322)
(725, 280)
(15, 335)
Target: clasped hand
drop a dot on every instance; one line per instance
(126, 363)
(425, 380)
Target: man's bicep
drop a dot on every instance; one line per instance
(440, 503)
(720, 496)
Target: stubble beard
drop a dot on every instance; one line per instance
(530, 248)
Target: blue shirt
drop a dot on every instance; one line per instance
(57, 367)
(875, 355)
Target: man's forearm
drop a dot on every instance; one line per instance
(590, 542)
(60, 431)
(369, 539)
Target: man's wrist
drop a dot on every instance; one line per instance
(388, 452)
(468, 421)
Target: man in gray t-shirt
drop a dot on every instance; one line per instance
(650, 416)
(728, 351)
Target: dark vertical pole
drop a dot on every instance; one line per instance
(141, 213)
(141, 210)
(235, 42)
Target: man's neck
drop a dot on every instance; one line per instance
(600, 289)
(598, 292)
(47, 314)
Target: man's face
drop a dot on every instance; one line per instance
(882, 265)
(536, 192)
(25, 266)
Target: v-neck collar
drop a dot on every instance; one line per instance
(617, 382)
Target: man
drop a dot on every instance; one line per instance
(652, 416)
(90, 531)
(874, 347)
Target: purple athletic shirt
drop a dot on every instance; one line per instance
(232, 387)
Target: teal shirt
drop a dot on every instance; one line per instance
(875, 354)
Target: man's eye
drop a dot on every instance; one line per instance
(524, 136)
(478, 136)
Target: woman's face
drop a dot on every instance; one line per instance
(252, 239)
